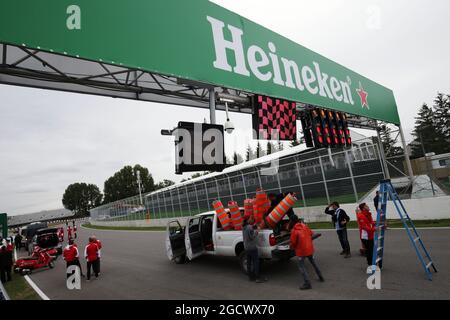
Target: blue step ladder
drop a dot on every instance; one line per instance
(387, 191)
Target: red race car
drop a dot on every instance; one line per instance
(41, 258)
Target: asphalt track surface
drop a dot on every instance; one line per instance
(134, 266)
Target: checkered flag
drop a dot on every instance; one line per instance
(274, 119)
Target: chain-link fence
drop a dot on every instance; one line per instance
(318, 177)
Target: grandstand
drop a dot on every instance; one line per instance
(48, 215)
(319, 177)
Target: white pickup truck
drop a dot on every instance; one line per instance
(203, 235)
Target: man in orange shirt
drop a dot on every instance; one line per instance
(302, 243)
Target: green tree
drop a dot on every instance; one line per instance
(271, 147)
(294, 143)
(389, 147)
(249, 154)
(123, 184)
(426, 132)
(196, 175)
(259, 151)
(441, 110)
(81, 197)
(237, 158)
(164, 184)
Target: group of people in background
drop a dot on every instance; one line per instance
(92, 254)
(301, 239)
(366, 224)
(71, 232)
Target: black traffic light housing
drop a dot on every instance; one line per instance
(328, 128)
(317, 129)
(305, 118)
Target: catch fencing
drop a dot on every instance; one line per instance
(318, 177)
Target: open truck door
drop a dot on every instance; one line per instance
(193, 238)
(175, 246)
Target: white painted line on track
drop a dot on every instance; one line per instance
(36, 288)
(3, 291)
(32, 284)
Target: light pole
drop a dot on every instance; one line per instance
(138, 175)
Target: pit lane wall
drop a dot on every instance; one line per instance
(418, 209)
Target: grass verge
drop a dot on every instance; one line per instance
(19, 289)
(391, 224)
(90, 226)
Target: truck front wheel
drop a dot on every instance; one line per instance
(180, 259)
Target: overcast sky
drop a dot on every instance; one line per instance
(51, 139)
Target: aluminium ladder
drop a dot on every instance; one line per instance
(387, 191)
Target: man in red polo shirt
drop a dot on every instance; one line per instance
(69, 232)
(91, 253)
(99, 245)
(71, 255)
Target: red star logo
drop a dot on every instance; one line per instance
(363, 95)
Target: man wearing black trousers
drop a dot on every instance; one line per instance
(250, 237)
(340, 220)
(376, 200)
(367, 228)
(91, 255)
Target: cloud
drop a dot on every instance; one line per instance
(32, 190)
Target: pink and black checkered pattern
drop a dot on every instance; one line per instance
(275, 114)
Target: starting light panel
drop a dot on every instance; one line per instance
(325, 128)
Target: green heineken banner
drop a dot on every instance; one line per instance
(195, 40)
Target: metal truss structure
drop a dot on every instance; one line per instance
(22, 66)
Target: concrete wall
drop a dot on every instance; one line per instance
(418, 209)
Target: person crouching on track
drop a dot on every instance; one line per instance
(71, 256)
(302, 243)
(91, 255)
(366, 230)
(250, 236)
